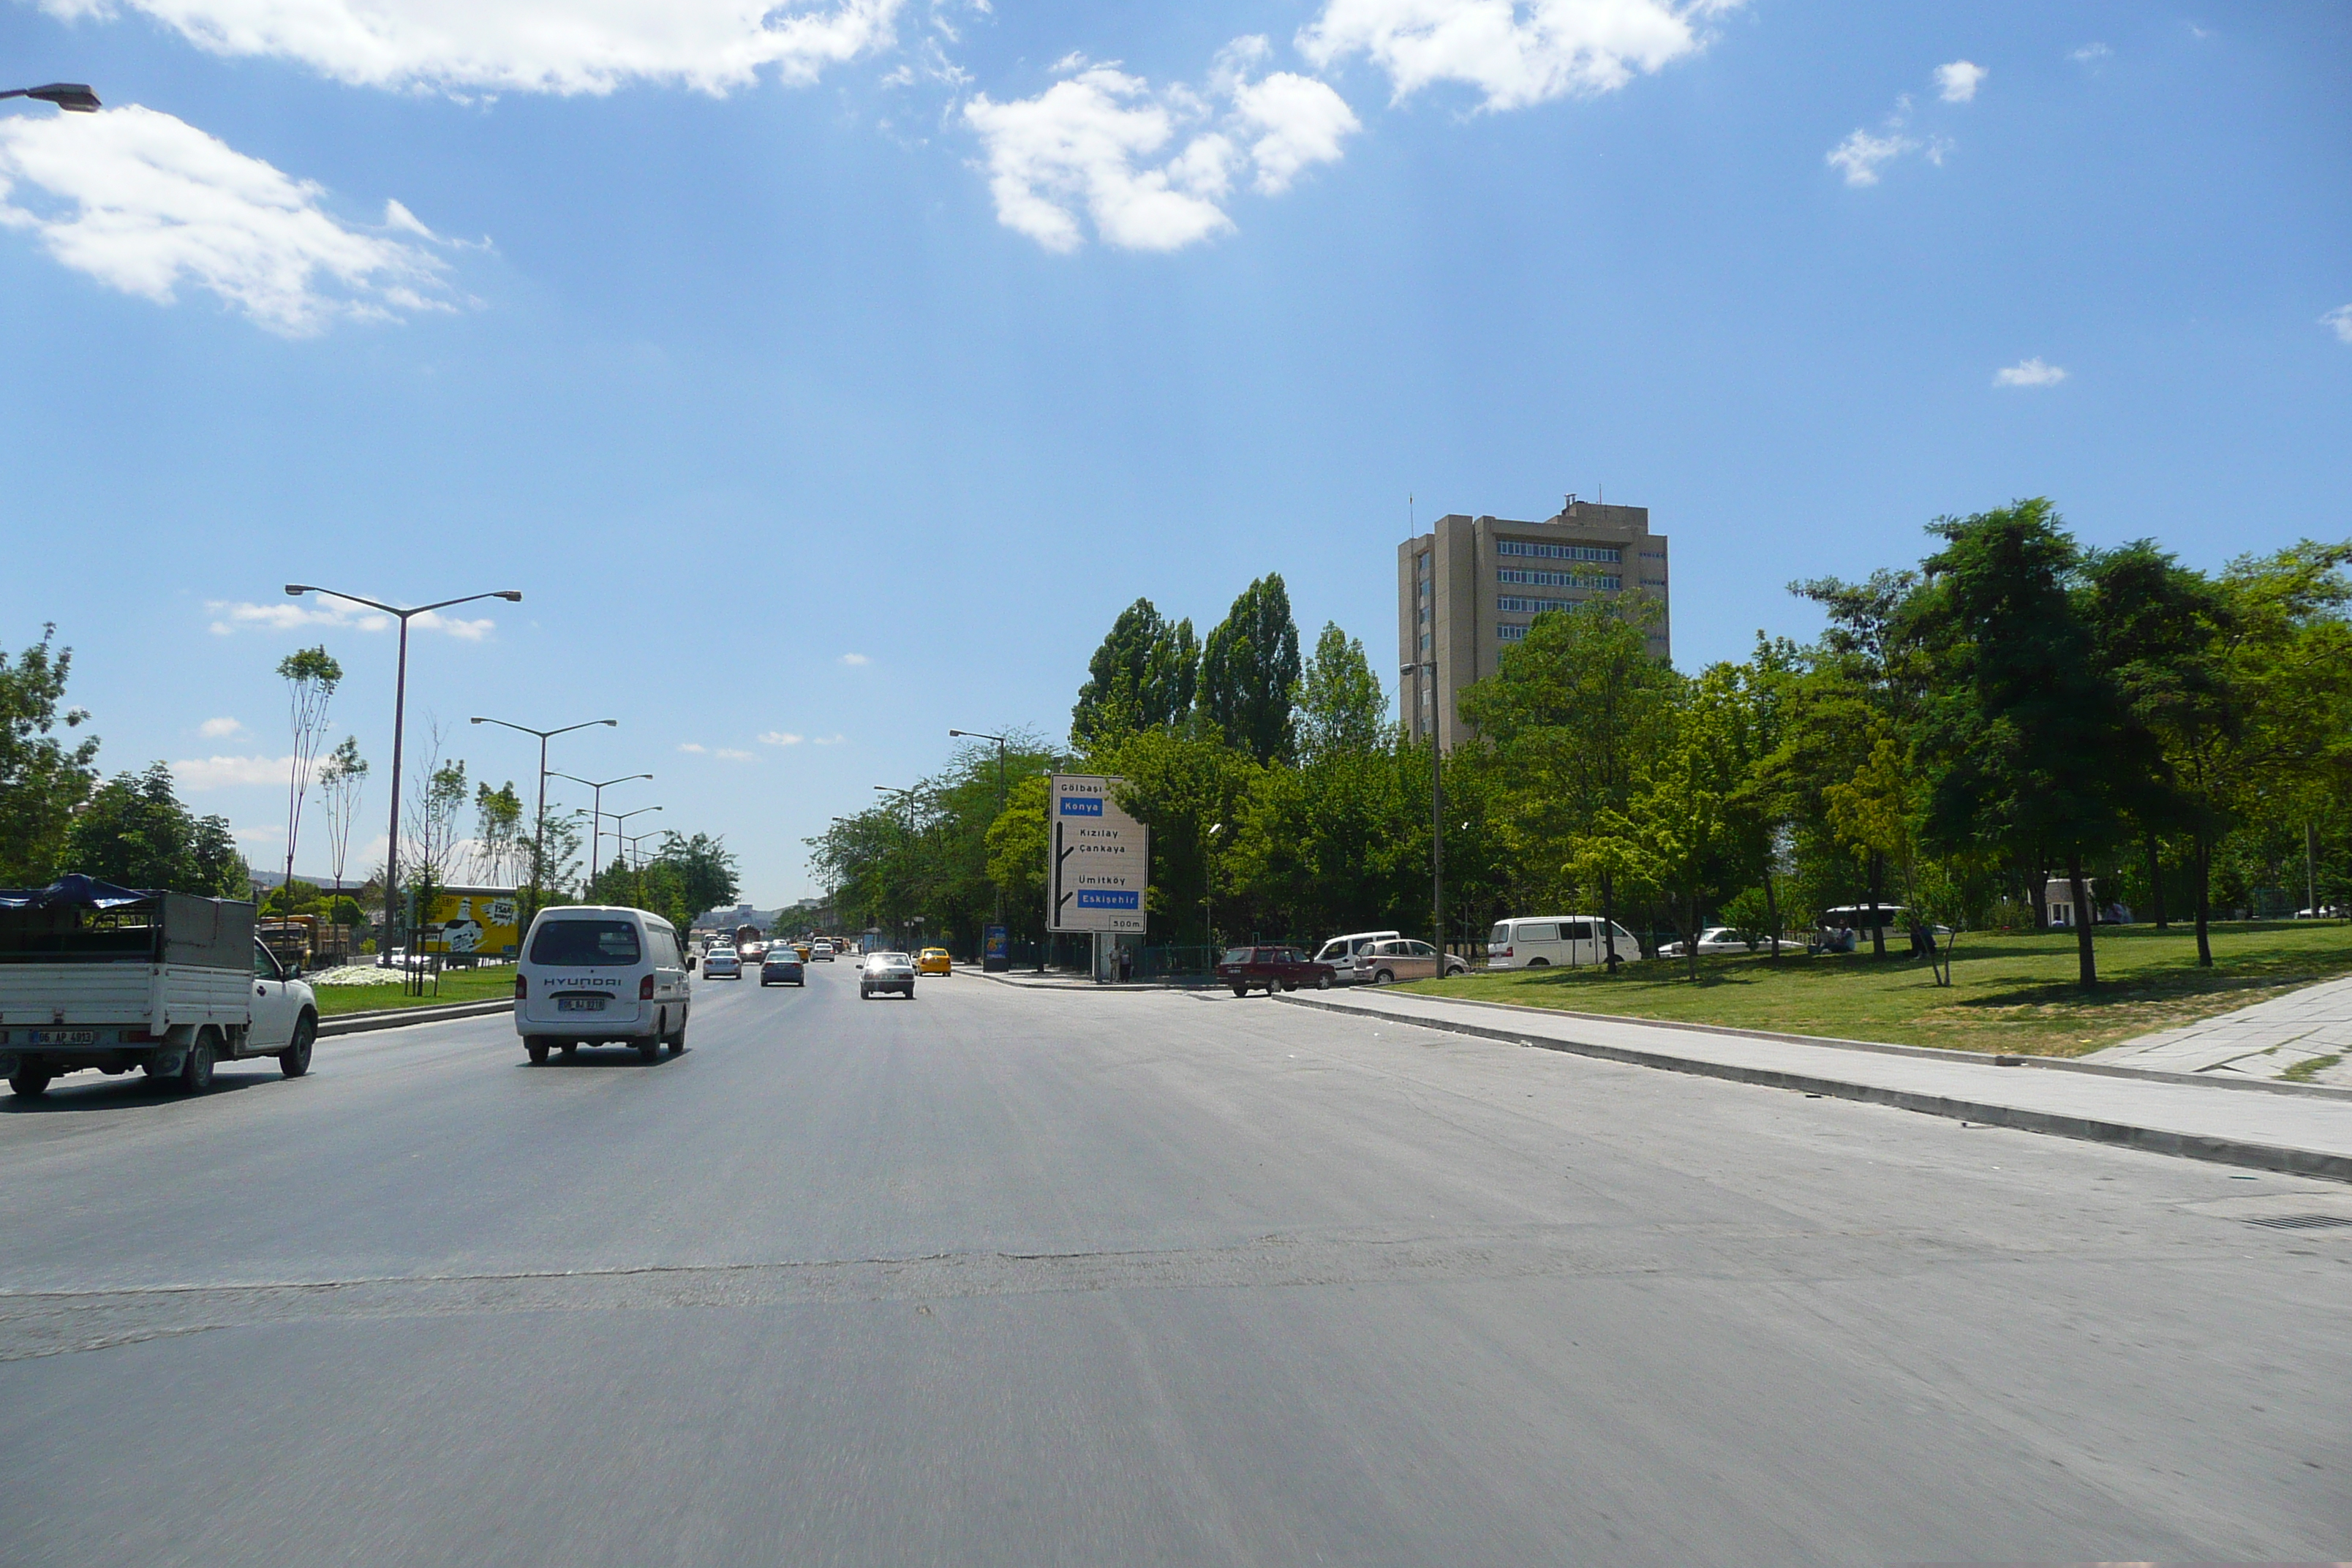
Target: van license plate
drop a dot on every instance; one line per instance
(64, 1036)
(580, 1004)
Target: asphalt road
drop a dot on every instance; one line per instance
(1015, 1277)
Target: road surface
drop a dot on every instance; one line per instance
(1012, 1277)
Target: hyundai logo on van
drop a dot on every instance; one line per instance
(607, 982)
(1080, 805)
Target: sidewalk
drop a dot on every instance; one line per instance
(1070, 980)
(2260, 1043)
(2261, 1125)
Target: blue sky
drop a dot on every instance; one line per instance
(828, 380)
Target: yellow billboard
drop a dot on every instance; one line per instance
(484, 922)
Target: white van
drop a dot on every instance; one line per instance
(597, 974)
(1345, 954)
(1543, 941)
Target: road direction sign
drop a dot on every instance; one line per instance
(1097, 858)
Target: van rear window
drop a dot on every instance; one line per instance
(589, 944)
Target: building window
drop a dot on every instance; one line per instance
(1593, 582)
(1511, 634)
(1425, 642)
(1559, 552)
(1510, 605)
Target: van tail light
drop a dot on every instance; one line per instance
(645, 989)
(522, 988)
(1507, 952)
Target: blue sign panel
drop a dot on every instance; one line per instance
(1081, 805)
(1107, 898)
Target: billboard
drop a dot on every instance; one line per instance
(1097, 858)
(484, 922)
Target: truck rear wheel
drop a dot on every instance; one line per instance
(196, 1067)
(30, 1082)
(294, 1059)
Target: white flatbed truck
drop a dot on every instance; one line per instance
(94, 977)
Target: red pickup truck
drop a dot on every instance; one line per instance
(1275, 968)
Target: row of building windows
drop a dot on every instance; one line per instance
(1598, 580)
(1559, 552)
(1511, 634)
(1512, 605)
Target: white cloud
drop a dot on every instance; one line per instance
(528, 45)
(143, 202)
(693, 746)
(226, 773)
(2340, 319)
(1958, 82)
(1152, 169)
(831, 740)
(2029, 372)
(291, 615)
(855, 658)
(781, 738)
(257, 835)
(732, 756)
(1860, 154)
(1514, 52)
(2090, 54)
(217, 729)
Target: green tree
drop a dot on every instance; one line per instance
(1337, 700)
(498, 830)
(1180, 784)
(2024, 740)
(705, 868)
(311, 675)
(1249, 666)
(1146, 672)
(134, 832)
(43, 779)
(341, 779)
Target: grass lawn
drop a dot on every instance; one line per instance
(2010, 994)
(457, 985)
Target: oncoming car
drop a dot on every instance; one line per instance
(934, 961)
(598, 975)
(886, 972)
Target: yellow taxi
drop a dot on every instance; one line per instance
(803, 949)
(934, 961)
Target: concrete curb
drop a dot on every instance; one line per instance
(401, 1018)
(1881, 1047)
(2157, 1140)
(1159, 985)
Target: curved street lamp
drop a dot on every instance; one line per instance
(595, 811)
(539, 827)
(73, 97)
(399, 701)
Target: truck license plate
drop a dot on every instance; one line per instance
(65, 1036)
(580, 1004)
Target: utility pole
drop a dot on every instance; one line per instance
(1436, 806)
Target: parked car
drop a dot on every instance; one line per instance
(886, 972)
(782, 966)
(935, 961)
(1404, 959)
(1346, 954)
(600, 974)
(1542, 941)
(1274, 968)
(722, 963)
(1713, 938)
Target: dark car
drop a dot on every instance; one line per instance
(780, 965)
(1275, 968)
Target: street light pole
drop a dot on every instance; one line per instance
(539, 825)
(399, 719)
(596, 811)
(73, 97)
(1436, 810)
(620, 816)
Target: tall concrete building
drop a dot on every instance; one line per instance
(1469, 587)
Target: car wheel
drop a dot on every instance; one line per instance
(1539, 963)
(1290, 985)
(1322, 983)
(294, 1059)
(1241, 989)
(196, 1067)
(538, 1052)
(30, 1082)
(649, 1049)
(570, 1050)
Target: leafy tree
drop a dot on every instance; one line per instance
(135, 833)
(2024, 740)
(1145, 673)
(705, 868)
(311, 675)
(341, 779)
(1017, 844)
(43, 779)
(498, 830)
(1180, 784)
(1337, 700)
(1249, 666)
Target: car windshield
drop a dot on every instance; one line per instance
(585, 944)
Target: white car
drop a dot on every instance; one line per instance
(821, 950)
(1714, 939)
(722, 964)
(600, 974)
(1346, 954)
(886, 972)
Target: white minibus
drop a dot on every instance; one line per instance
(1544, 942)
(598, 975)
(1345, 954)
